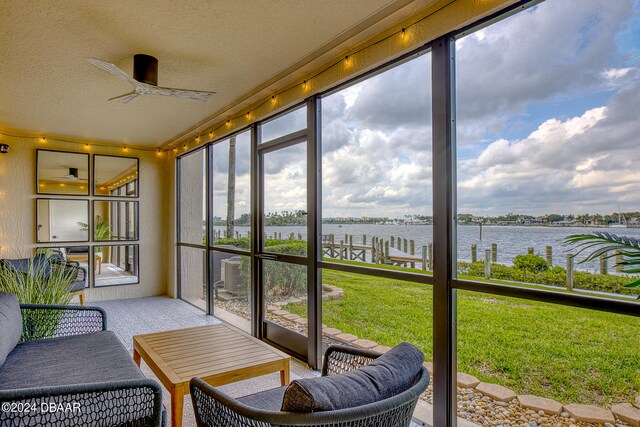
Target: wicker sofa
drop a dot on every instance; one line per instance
(213, 408)
(80, 374)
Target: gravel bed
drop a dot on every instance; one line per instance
(482, 410)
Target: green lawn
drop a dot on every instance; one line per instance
(569, 354)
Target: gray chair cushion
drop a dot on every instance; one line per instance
(10, 324)
(269, 400)
(78, 359)
(388, 375)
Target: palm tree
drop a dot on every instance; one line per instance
(231, 187)
(601, 243)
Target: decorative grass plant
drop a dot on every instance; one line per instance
(42, 283)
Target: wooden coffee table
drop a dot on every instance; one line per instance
(219, 354)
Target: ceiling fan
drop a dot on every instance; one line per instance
(72, 176)
(145, 80)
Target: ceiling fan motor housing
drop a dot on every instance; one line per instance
(145, 69)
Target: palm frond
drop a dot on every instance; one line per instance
(607, 245)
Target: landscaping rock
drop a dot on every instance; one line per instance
(467, 381)
(548, 406)
(366, 344)
(381, 348)
(590, 413)
(628, 413)
(291, 316)
(346, 337)
(496, 392)
(331, 332)
(272, 308)
(280, 312)
(300, 321)
(429, 367)
(637, 404)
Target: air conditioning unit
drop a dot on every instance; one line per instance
(231, 273)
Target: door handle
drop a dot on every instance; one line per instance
(269, 257)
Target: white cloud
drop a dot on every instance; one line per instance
(583, 163)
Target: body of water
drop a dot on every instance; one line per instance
(511, 240)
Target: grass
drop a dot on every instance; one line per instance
(569, 354)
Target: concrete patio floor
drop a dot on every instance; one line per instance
(136, 316)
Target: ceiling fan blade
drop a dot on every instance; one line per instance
(197, 95)
(110, 68)
(126, 97)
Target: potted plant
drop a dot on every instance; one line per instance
(102, 233)
(38, 282)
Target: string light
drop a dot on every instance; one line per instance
(198, 139)
(346, 63)
(43, 140)
(159, 152)
(211, 134)
(87, 146)
(175, 149)
(125, 149)
(185, 147)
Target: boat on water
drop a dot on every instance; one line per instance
(622, 221)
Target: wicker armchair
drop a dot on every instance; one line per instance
(128, 402)
(214, 408)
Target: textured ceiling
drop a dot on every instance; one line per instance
(229, 47)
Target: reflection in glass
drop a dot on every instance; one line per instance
(231, 183)
(115, 220)
(59, 220)
(116, 265)
(115, 176)
(284, 125)
(285, 287)
(285, 199)
(62, 173)
(75, 256)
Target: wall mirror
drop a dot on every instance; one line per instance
(59, 172)
(114, 221)
(118, 265)
(62, 220)
(115, 176)
(77, 256)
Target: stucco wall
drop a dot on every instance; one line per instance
(17, 211)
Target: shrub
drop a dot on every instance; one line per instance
(555, 276)
(531, 263)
